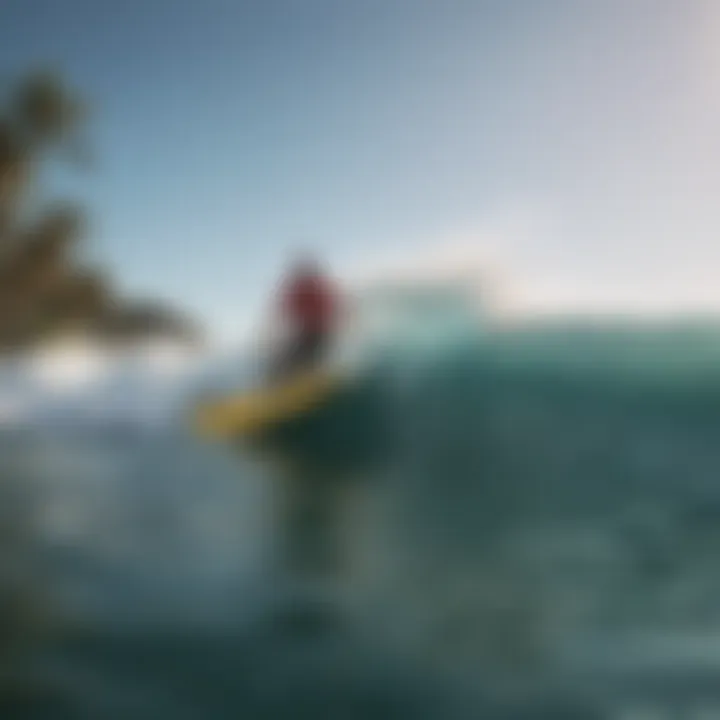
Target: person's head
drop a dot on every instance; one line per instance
(304, 263)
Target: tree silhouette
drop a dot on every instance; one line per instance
(44, 289)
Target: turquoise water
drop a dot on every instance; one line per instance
(546, 520)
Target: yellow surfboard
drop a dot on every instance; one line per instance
(250, 413)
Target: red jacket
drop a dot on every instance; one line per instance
(310, 302)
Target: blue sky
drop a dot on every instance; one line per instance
(576, 143)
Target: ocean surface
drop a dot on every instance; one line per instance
(543, 541)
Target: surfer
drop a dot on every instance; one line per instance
(309, 309)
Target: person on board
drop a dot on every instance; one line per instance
(309, 308)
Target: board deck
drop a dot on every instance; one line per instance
(256, 411)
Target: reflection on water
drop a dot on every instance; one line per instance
(547, 531)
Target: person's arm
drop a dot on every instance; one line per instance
(274, 323)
